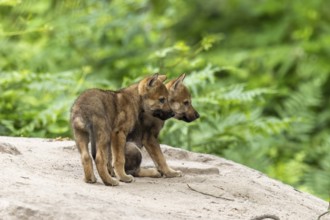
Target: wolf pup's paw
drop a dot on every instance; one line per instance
(113, 182)
(148, 172)
(127, 178)
(156, 174)
(91, 179)
(173, 173)
(153, 173)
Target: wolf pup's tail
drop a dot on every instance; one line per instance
(93, 141)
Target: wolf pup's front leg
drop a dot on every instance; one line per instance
(152, 145)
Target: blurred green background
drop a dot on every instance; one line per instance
(259, 73)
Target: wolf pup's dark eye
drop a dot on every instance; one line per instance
(162, 100)
(186, 103)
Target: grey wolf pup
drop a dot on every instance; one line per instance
(105, 118)
(147, 131)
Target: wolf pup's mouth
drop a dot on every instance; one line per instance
(162, 114)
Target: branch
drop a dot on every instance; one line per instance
(219, 197)
(262, 217)
(325, 213)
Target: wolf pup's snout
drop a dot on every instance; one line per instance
(189, 118)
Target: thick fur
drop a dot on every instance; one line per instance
(180, 102)
(105, 118)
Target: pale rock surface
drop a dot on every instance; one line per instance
(43, 179)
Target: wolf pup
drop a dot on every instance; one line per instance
(106, 117)
(180, 102)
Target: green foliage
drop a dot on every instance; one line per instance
(37, 104)
(231, 118)
(258, 72)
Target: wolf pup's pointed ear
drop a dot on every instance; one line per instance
(162, 78)
(152, 80)
(179, 80)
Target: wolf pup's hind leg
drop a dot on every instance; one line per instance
(82, 139)
(101, 159)
(133, 159)
(118, 141)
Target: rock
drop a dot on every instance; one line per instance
(8, 149)
(46, 182)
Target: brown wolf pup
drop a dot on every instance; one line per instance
(106, 117)
(180, 102)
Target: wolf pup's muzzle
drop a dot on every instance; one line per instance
(163, 115)
(190, 118)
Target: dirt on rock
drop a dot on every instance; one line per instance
(43, 179)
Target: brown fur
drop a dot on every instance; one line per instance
(180, 102)
(106, 117)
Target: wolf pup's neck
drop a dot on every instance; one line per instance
(133, 93)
